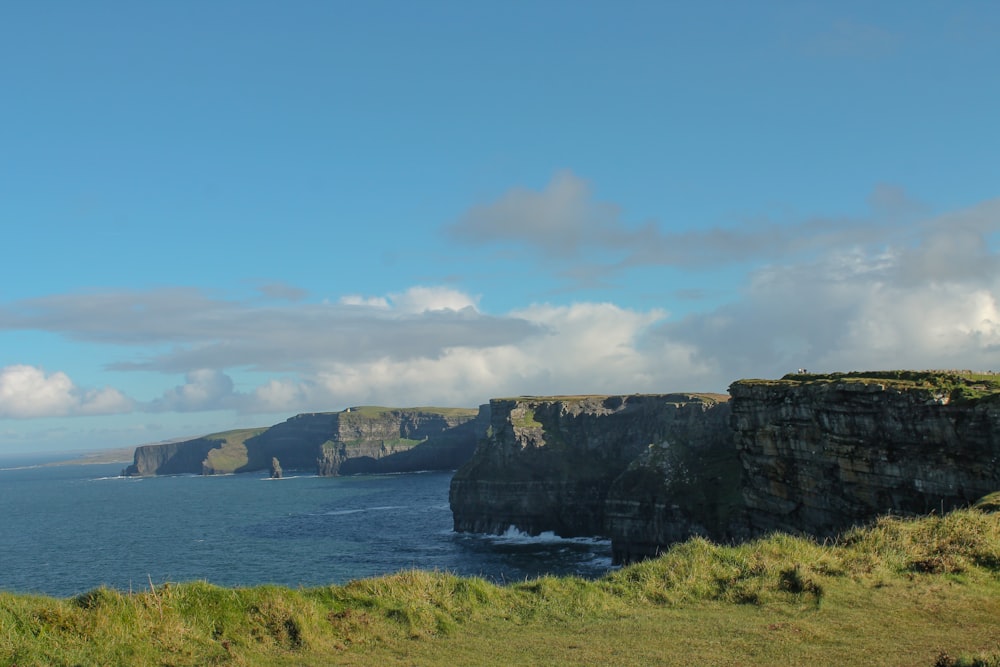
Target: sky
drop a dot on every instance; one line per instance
(221, 214)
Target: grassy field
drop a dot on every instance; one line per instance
(901, 592)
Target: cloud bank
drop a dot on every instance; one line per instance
(893, 290)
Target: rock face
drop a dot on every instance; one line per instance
(365, 439)
(805, 454)
(172, 458)
(822, 454)
(683, 485)
(402, 441)
(562, 464)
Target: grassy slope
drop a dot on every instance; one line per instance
(233, 452)
(900, 592)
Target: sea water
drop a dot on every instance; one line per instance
(67, 529)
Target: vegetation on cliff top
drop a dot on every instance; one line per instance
(232, 455)
(958, 385)
(933, 584)
(377, 411)
(579, 398)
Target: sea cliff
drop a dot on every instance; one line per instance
(363, 439)
(805, 454)
(565, 464)
(822, 453)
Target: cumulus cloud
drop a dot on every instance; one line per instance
(27, 391)
(587, 347)
(928, 305)
(204, 389)
(428, 299)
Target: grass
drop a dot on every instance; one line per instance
(579, 398)
(376, 411)
(915, 592)
(231, 455)
(524, 417)
(960, 386)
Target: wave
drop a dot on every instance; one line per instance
(364, 509)
(28, 467)
(514, 536)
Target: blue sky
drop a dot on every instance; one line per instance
(222, 214)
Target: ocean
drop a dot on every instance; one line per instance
(67, 529)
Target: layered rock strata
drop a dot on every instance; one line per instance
(822, 454)
(562, 464)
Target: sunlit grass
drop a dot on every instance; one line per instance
(923, 591)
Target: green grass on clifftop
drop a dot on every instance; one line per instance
(960, 386)
(917, 592)
(376, 411)
(232, 455)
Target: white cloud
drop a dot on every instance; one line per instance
(27, 391)
(924, 299)
(204, 389)
(370, 302)
(930, 305)
(583, 348)
(428, 299)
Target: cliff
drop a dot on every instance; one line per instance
(822, 453)
(377, 440)
(812, 454)
(553, 464)
(365, 439)
(684, 484)
(187, 456)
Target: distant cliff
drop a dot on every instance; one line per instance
(806, 454)
(364, 439)
(189, 456)
(565, 464)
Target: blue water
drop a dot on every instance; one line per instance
(68, 529)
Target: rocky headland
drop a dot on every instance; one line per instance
(812, 454)
(356, 440)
